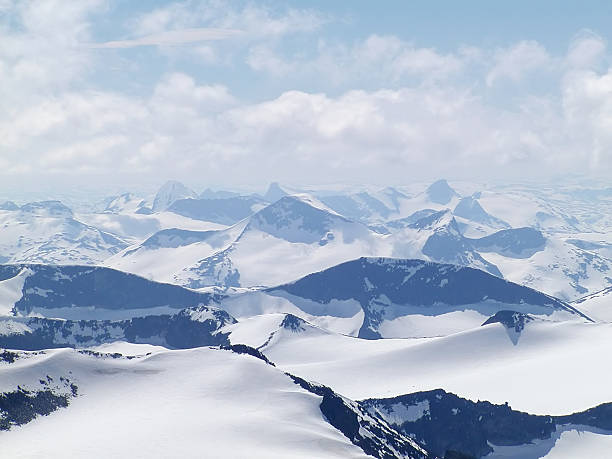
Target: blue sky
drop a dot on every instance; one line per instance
(236, 93)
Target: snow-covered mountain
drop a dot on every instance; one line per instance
(127, 203)
(393, 298)
(275, 192)
(363, 206)
(397, 298)
(171, 192)
(437, 237)
(440, 192)
(526, 255)
(48, 232)
(225, 211)
(80, 292)
(209, 193)
(188, 328)
(445, 422)
(181, 403)
(290, 238)
(286, 240)
(474, 219)
(558, 268)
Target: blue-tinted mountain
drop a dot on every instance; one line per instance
(390, 288)
(48, 232)
(447, 244)
(174, 237)
(275, 192)
(440, 192)
(295, 219)
(171, 192)
(188, 328)
(246, 254)
(225, 211)
(47, 209)
(126, 202)
(411, 219)
(208, 193)
(514, 243)
(375, 438)
(470, 209)
(359, 206)
(9, 205)
(48, 288)
(448, 423)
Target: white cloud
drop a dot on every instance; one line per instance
(384, 59)
(255, 21)
(172, 38)
(363, 135)
(586, 50)
(518, 61)
(52, 122)
(587, 102)
(263, 59)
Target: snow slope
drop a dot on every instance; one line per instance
(201, 402)
(47, 232)
(597, 305)
(547, 368)
(135, 227)
(559, 268)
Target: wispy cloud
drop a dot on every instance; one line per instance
(172, 38)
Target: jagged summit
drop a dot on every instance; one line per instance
(447, 244)
(440, 192)
(293, 323)
(125, 202)
(470, 209)
(297, 218)
(275, 192)
(436, 219)
(510, 319)
(170, 192)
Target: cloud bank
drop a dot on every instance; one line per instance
(388, 111)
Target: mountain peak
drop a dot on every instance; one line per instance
(9, 205)
(47, 209)
(124, 202)
(297, 218)
(440, 192)
(470, 209)
(435, 220)
(293, 323)
(170, 192)
(275, 192)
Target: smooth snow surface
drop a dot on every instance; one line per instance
(598, 305)
(574, 444)
(553, 368)
(190, 404)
